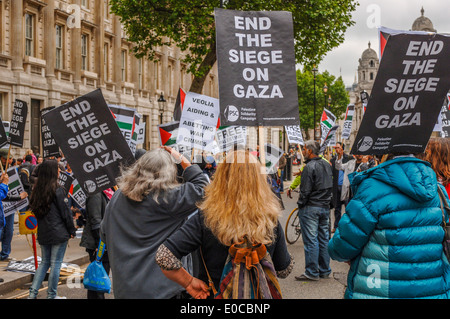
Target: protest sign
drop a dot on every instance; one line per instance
(272, 156)
(256, 68)
(410, 87)
(6, 125)
(198, 122)
(326, 123)
(139, 130)
(65, 181)
(331, 134)
(18, 121)
(294, 134)
(229, 136)
(3, 134)
(90, 139)
(49, 146)
(445, 118)
(364, 100)
(347, 129)
(77, 193)
(15, 188)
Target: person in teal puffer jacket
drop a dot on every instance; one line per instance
(391, 233)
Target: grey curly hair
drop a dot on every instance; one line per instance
(154, 173)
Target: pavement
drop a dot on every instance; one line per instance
(22, 248)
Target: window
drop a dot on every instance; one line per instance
(29, 34)
(156, 74)
(105, 61)
(85, 4)
(123, 61)
(140, 74)
(84, 52)
(59, 47)
(371, 76)
(169, 80)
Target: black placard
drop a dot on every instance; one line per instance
(256, 68)
(18, 121)
(407, 95)
(91, 141)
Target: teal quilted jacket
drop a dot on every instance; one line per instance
(391, 232)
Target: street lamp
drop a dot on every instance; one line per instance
(314, 71)
(325, 90)
(161, 105)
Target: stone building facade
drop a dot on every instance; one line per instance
(52, 51)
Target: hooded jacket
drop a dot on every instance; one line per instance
(392, 234)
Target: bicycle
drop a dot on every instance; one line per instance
(292, 231)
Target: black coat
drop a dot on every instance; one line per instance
(57, 225)
(95, 210)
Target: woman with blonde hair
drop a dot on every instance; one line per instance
(147, 208)
(238, 205)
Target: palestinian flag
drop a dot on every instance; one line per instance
(383, 40)
(179, 103)
(168, 133)
(125, 119)
(327, 119)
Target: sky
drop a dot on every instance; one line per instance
(393, 14)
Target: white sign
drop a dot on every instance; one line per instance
(198, 121)
(228, 136)
(294, 134)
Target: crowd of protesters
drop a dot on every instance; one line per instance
(175, 219)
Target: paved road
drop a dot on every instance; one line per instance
(332, 288)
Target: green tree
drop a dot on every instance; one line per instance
(335, 99)
(319, 26)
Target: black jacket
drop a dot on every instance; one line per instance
(316, 185)
(95, 210)
(57, 225)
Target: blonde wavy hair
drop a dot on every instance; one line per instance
(239, 202)
(155, 172)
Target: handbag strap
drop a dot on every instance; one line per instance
(211, 283)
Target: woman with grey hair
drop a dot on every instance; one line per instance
(146, 209)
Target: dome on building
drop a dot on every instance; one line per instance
(369, 54)
(422, 23)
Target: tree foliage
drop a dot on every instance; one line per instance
(336, 99)
(319, 26)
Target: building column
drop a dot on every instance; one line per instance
(76, 53)
(117, 51)
(99, 45)
(17, 35)
(50, 39)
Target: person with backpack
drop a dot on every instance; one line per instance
(237, 222)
